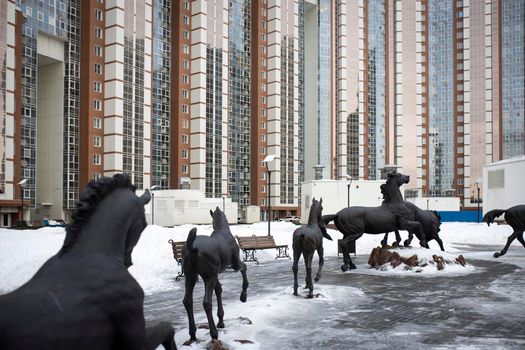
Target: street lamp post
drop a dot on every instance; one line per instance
(266, 160)
(348, 189)
(477, 187)
(21, 184)
(153, 188)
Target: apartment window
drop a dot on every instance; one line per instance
(186, 34)
(186, 49)
(185, 123)
(263, 125)
(263, 74)
(185, 79)
(98, 32)
(184, 168)
(98, 50)
(263, 36)
(185, 109)
(97, 105)
(96, 176)
(263, 137)
(98, 14)
(97, 123)
(184, 139)
(184, 154)
(185, 64)
(185, 93)
(97, 141)
(98, 68)
(97, 86)
(263, 189)
(96, 159)
(263, 50)
(187, 5)
(186, 20)
(263, 99)
(263, 176)
(263, 150)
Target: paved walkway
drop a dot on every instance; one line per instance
(482, 310)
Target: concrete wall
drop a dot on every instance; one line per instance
(437, 203)
(50, 131)
(178, 207)
(502, 185)
(335, 195)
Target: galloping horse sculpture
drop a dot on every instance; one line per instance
(515, 217)
(392, 215)
(306, 240)
(84, 297)
(430, 222)
(208, 257)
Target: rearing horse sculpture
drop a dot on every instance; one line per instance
(393, 214)
(208, 257)
(84, 297)
(306, 240)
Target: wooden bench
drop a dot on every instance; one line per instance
(178, 248)
(250, 244)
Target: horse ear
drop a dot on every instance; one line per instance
(211, 213)
(145, 198)
(321, 200)
(313, 200)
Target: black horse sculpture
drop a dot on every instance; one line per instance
(515, 217)
(430, 221)
(392, 215)
(208, 257)
(306, 240)
(84, 297)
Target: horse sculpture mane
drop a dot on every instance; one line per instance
(90, 198)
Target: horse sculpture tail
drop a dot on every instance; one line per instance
(439, 220)
(491, 215)
(191, 238)
(327, 218)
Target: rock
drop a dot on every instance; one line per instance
(412, 261)
(245, 320)
(244, 341)
(216, 344)
(461, 260)
(438, 259)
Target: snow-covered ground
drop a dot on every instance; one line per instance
(277, 317)
(22, 252)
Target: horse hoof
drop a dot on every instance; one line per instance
(317, 279)
(243, 297)
(353, 267)
(344, 267)
(295, 293)
(497, 255)
(189, 342)
(384, 244)
(406, 243)
(220, 324)
(310, 295)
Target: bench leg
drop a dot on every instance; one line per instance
(181, 272)
(282, 253)
(249, 255)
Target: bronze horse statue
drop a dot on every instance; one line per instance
(306, 240)
(430, 222)
(208, 257)
(393, 214)
(84, 297)
(515, 217)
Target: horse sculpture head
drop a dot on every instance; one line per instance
(316, 212)
(219, 219)
(108, 217)
(390, 189)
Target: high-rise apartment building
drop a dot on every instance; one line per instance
(432, 87)
(196, 94)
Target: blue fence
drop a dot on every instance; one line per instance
(460, 216)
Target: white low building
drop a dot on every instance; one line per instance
(503, 185)
(337, 194)
(178, 207)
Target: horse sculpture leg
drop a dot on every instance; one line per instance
(160, 334)
(320, 252)
(511, 238)
(220, 310)
(520, 238)
(440, 242)
(384, 242)
(407, 241)
(347, 261)
(308, 264)
(295, 269)
(191, 279)
(207, 304)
